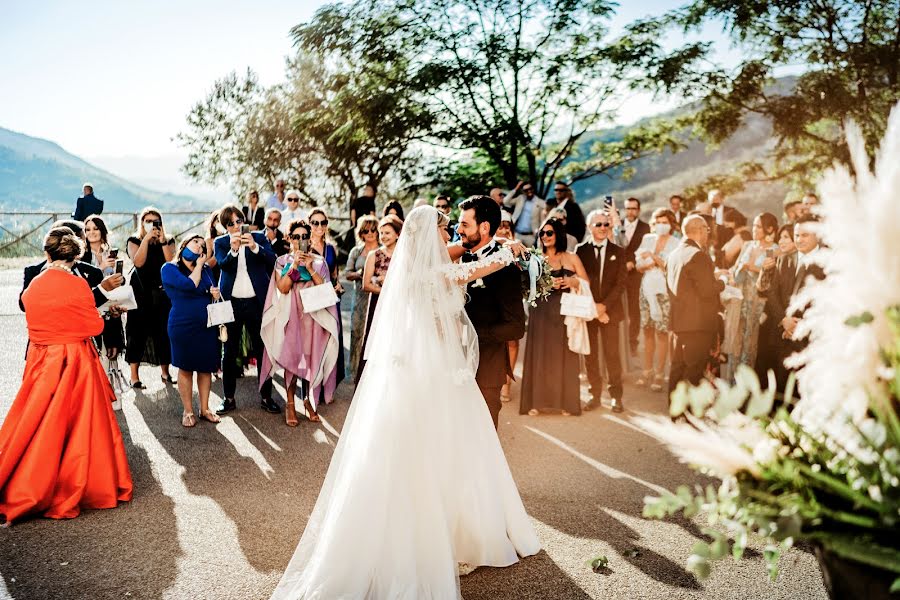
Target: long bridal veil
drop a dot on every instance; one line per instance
(418, 480)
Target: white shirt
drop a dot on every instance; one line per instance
(630, 227)
(288, 216)
(805, 260)
(482, 252)
(719, 214)
(600, 253)
(243, 286)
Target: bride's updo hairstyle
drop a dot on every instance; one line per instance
(443, 221)
(61, 243)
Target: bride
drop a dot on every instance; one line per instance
(418, 484)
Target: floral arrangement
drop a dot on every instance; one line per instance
(825, 469)
(539, 282)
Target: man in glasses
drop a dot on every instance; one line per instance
(246, 261)
(604, 263)
(292, 211)
(276, 200)
(527, 208)
(564, 198)
(634, 231)
(445, 205)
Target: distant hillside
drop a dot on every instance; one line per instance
(37, 174)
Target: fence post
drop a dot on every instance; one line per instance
(134, 223)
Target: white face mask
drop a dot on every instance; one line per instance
(662, 228)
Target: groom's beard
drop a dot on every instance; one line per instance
(469, 242)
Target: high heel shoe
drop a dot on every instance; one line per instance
(645, 379)
(290, 415)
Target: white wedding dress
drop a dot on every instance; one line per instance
(418, 482)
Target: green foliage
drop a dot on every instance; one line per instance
(850, 50)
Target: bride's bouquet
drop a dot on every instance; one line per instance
(537, 282)
(827, 469)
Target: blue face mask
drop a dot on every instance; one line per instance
(189, 255)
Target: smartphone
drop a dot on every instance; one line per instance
(607, 201)
(114, 253)
(304, 245)
(245, 229)
(120, 266)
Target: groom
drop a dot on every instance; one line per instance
(495, 302)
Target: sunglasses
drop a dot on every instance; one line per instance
(293, 199)
(365, 231)
(599, 225)
(559, 190)
(235, 222)
(547, 233)
(297, 238)
(441, 206)
(321, 223)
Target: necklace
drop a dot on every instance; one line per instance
(61, 268)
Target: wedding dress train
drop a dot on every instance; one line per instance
(418, 482)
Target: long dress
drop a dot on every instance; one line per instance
(746, 335)
(550, 370)
(61, 450)
(357, 262)
(195, 347)
(418, 482)
(331, 261)
(304, 344)
(382, 263)
(146, 328)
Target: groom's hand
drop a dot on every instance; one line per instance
(517, 247)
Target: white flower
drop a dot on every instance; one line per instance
(612, 258)
(478, 283)
(460, 376)
(411, 226)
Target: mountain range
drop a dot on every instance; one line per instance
(37, 174)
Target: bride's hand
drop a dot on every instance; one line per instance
(517, 247)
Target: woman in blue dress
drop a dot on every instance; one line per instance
(188, 282)
(320, 244)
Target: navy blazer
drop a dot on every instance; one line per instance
(87, 206)
(259, 266)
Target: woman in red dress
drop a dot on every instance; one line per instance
(60, 446)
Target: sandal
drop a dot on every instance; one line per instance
(137, 385)
(310, 413)
(566, 413)
(645, 378)
(188, 419)
(290, 415)
(533, 412)
(657, 385)
(208, 415)
(167, 379)
(504, 393)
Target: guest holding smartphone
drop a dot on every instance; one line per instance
(188, 281)
(246, 260)
(146, 327)
(304, 344)
(100, 255)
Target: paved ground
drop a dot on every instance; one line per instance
(218, 510)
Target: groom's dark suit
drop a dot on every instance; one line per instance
(496, 310)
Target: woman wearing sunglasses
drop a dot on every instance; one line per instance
(305, 345)
(321, 244)
(367, 241)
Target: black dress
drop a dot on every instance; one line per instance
(146, 328)
(550, 371)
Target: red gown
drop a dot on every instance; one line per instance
(60, 446)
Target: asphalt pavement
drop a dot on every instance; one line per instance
(218, 510)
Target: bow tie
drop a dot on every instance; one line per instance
(469, 257)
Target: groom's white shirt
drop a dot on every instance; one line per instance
(482, 252)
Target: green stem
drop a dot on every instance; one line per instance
(837, 486)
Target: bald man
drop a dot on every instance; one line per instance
(694, 303)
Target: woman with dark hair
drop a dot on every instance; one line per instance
(320, 243)
(146, 327)
(304, 344)
(393, 208)
(254, 214)
(367, 242)
(190, 285)
(375, 271)
(650, 261)
(112, 342)
(768, 348)
(741, 342)
(61, 450)
(547, 347)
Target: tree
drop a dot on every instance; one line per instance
(850, 50)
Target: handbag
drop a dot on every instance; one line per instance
(317, 297)
(219, 312)
(581, 305)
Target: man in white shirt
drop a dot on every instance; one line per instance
(634, 231)
(292, 211)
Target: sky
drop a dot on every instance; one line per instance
(106, 78)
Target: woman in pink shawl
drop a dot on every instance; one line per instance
(304, 344)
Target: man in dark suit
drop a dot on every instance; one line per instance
(87, 205)
(112, 331)
(725, 217)
(634, 232)
(693, 303)
(495, 307)
(280, 245)
(565, 199)
(246, 261)
(675, 202)
(792, 272)
(604, 263)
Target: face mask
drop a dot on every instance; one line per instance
(190, 255)
(662, 228)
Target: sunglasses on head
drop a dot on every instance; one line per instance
(599, 225)
(235, 222)
(321, 223)
(547, 233)
(301, 236)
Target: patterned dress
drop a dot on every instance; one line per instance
(746, 335)
(357, 262)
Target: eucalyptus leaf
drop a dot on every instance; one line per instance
(699, 566)
(860, 319)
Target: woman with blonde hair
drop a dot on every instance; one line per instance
(367, 242)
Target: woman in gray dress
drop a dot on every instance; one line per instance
(367, 241)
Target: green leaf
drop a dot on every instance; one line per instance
(895, 587)
(699, 566)
(598, 563)
(701, 549)
(860, 319)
